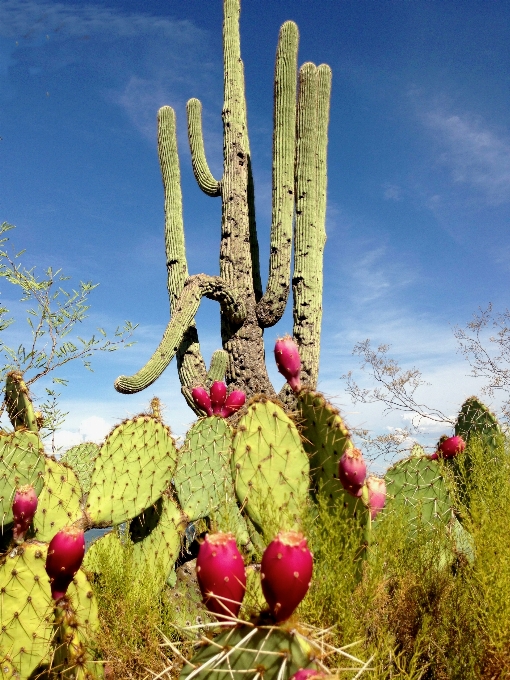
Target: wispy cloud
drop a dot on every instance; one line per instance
(476, 155)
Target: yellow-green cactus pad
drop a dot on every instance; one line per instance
(156, 535)
(202, 478)
(59, 501)
(325, 439)
(81, 459)
(417, 487)
(21, 463)
(26, 611)
(269, 465)
(134, 466)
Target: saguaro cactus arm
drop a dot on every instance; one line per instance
(203, 175)
(310, 235)
(195, 289)
(271, 307)
(190, 364)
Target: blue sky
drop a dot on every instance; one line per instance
(419, 174)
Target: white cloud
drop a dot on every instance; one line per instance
(476, 155)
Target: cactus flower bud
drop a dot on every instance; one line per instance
(65, 555)
(376, 495)
(288, 361)
(308, 674)
(23, 510)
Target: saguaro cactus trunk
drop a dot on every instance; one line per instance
(299, 188)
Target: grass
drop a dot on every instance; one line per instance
(418, 604)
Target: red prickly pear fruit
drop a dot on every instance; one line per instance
(221, 575)
(218, 394)
(308, 674)
(202, 400)
(449, 448)
(286, 571)
(65, 555)
(23, 510)
(434, 456)
(235, 401)
(288, 361)
(352, 471)
(376, 495)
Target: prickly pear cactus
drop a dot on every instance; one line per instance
(134, 466)
(21, 462)
(325, 438)
(256, 652)
(475, 419)
(59, 500)
(26, 610)
(18, 403)
(81, 459)
(202, 477)
(269, 465)
(417, 486)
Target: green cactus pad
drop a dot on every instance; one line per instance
(475, 419)
(269, 465)
(81, 459)
(271, 653)
(417, 486)
(59, 501)
(26, 611)
(133, 468)
(76, 624)
(18, 403)
(202, 478)
(156, 535)
(21, 462)
(325, 440)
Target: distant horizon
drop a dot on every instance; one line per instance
(418, 180)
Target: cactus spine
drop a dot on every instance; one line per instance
(299, 185)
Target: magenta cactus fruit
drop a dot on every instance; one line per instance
(288, 361)
(65, 555)
(221, 575)
(308, 674)
(23, 510)
(218, 394)
(352, 471)
(234, 402)
(376, 495)
(450, 447)
(202, 400)
(286, 571)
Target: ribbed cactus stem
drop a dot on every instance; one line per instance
(311, 145)
(203, 175)
(189, 360)
(18, 403)
(271, 307)
(196, 288)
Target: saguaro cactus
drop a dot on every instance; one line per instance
(301, 114)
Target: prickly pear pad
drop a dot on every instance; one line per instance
(269, 465)
(81, 459)
(156, 534)
(134, 466)
(59, 501)
(26, 611)
(271, 653)
(202, 477)
(475, 419)
(21, 463)
(325, 440)
(417, 485)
